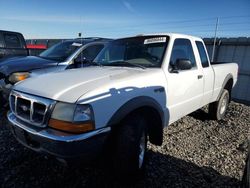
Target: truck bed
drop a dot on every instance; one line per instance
(221, 71)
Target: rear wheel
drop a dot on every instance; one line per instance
(130, 148)
(217, 110)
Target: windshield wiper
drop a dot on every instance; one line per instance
(120, 63)
(43, 57)
(52, 58)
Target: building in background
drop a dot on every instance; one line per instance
(235, 50)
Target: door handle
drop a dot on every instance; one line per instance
(200, 76)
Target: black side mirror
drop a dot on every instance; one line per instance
(81, 60)
(183, 64)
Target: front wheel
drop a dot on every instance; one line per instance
(246, 174)
(130, 148)
(217, 110)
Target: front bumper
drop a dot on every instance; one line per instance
(57, 143)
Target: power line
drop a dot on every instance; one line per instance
(211, 19)
(188, 27)
(193, 26)
(229, 17)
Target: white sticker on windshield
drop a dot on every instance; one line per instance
(155, 40)
(76, 44)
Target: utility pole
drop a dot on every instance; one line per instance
(215, 36)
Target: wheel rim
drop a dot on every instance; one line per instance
(224, 104)
(142, 149)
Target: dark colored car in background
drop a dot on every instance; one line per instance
(74, 53)
(12, 44)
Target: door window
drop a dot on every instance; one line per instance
(12, 41)
(203, 54)
(182, 49)
(91, 52)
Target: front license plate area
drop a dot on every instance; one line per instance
(20, 134)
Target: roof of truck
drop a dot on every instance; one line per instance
(88, 40)
(5, 31)
(177, 35)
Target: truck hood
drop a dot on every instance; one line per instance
(69, 85)
(26, 63)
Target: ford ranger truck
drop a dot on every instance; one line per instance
(135, 87)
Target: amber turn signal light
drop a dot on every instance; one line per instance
(71, 127)
(22, 77)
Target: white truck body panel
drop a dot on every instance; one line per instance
(105, 88)
(221, 71)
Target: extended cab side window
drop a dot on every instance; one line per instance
(91, 52)
(182, 49)
(203, 54)
(12, 41)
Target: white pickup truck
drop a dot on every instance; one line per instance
(135, 87)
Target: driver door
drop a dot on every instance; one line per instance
(185, 87)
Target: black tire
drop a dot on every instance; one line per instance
(217, 110)
(246, 175)
(130, 136)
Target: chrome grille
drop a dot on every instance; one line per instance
(23, 108)
(31, 109)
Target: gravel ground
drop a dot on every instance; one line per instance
(197, 152)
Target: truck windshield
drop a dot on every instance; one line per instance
(61, 51)
(141, 51)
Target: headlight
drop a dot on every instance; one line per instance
(64, 111)
(83, 113)
(72, 118)
(18, 76)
